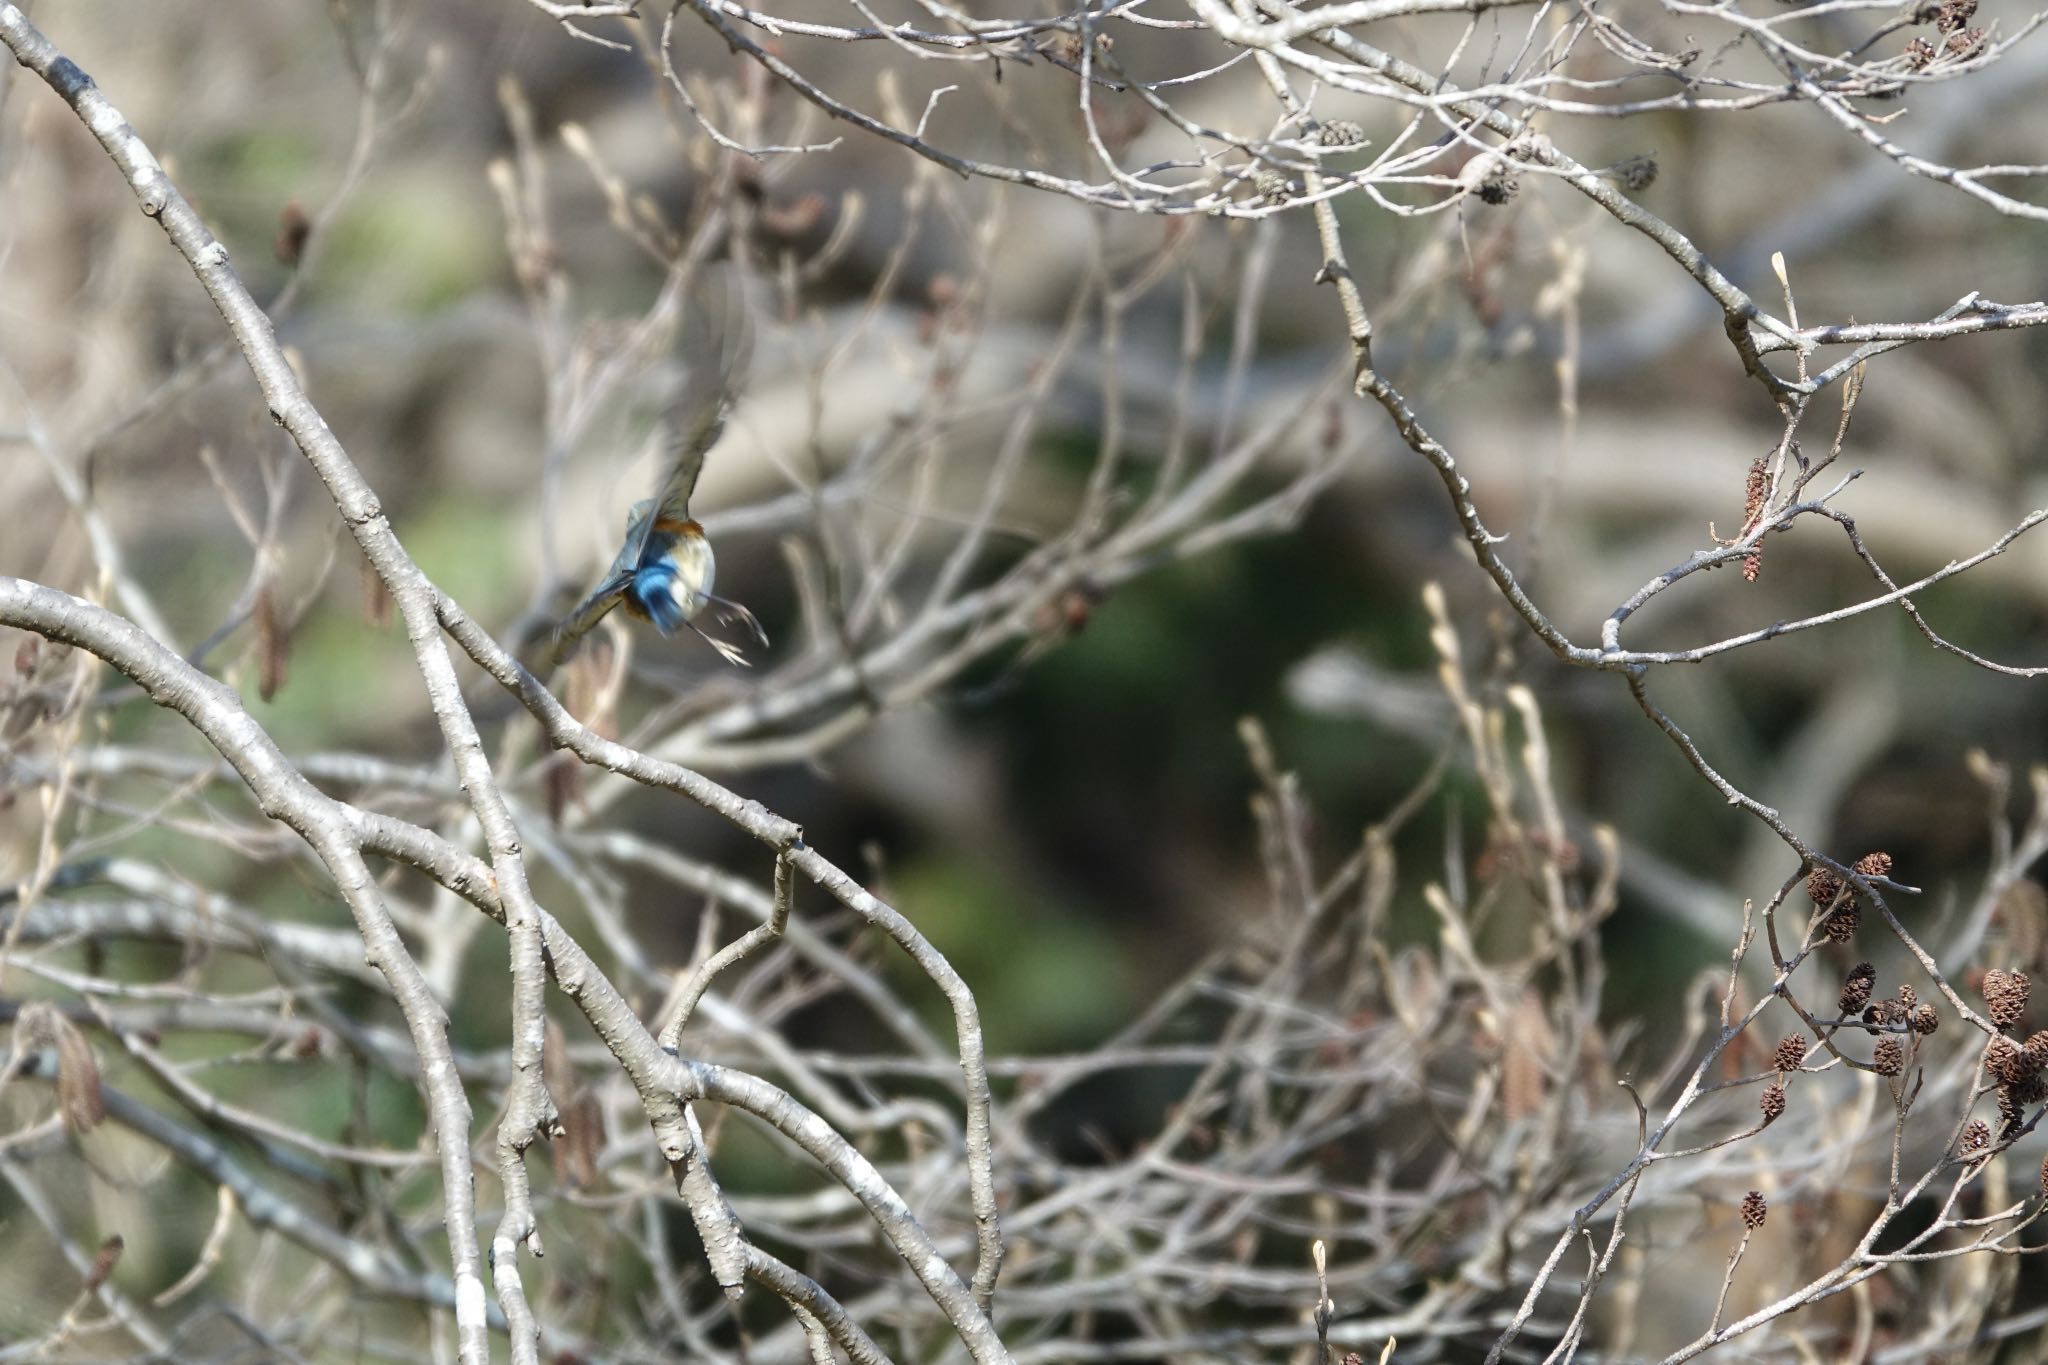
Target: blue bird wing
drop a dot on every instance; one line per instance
(591, 610)
(716, 354)
(717, 346)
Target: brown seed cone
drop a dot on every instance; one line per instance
(2036, 1050)
(1822, 885)
(1976, 1136)
(1856, 988)
(1874, 865)
(1924, 1020)
(1890, 1059)
(2005, 1060)
(1754, 1210)
(1791, 1052)
(1841, 926)
(1772, 1102)
(2005, 995)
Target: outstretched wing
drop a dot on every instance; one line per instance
(717, 345)
(589, 612)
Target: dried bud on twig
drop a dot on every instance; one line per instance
(1754, 1210)
(793, 219)
(1791, 1052)
(2005, 995)
(294, 227)
(104, 1261)
(79, 1096)
(1756, 493)
(1856, 988)
(1890, 1059)
(2022, 912)
(273, 644)
(1772, 1102)
(376, 595)
(562, 779)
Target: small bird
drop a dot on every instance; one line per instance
(665, 571)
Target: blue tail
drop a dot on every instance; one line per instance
(654, 589)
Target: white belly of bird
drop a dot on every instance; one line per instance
(696, 572)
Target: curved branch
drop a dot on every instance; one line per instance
(283, 794)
